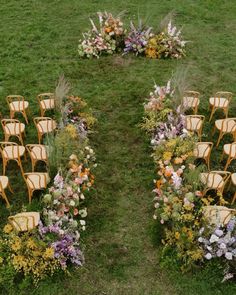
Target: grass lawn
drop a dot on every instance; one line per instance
(39, 41)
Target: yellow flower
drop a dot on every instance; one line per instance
(167, 156)
(7, 228)
(71, 129)
(49, 253)
(1, 260)
(31, 244)
(177, 235)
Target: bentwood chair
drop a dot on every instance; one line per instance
(46, 102)
(24, 221)
(233, 180)
(4, 183)
(203, 151)
(37, 153)
(194, 123)
(13, 127)
(17, 104)
(11, 151)
(44, 125)
(218, 215)
(229, 149)
(215, 180)
(191, 100)
(225, 126)
(221, 100)
(36, 181)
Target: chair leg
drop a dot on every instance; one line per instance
(12, 114)
(21, 139)
(219, 139)
(208, 163)
(30, 192)
(5, 198)
(25, 116)
(212, 113)
(4, 164)
(227, 163)
(21, 168)
(10, 188)
(234, 198)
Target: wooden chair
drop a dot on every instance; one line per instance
(221, 100)
(24, 221)
(46, 102)
(218, 215)
(36, 181)
(191, 100)
(44, 125)
(37, 153)
(12, 151)
(225, 126)
(233, 180)
(229, 149)
(17, 104)
(203, 151)
(194, 123)
(215, 180)
(13, 127)
(4, 183)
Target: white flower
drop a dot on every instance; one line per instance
(228, 255)
(213, 238)
(83, 213)
(82, 197)
(208, 256)
(219, 232)
(61, 232)
(95, 165)
(222, 246)
(156, 205)
(200, 239)
(72, 203)
(55, 202)
(82, 222)
(83, 228)
(154, 217)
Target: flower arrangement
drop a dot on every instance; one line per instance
(219, 242)
(54, 245)
(106, 38)
(110, 37)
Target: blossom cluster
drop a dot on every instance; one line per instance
(109, 36)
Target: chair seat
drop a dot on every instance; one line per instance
(4, 181)
(25, 221)
(14, 128)
(233, 178)
(47, 104)
(202, 150)
(190, 102)
(39, 153)
(194, 124)
(219, 102)
(36, 181)
(224, 126)
(46, 126)
(19, 106)
(230, 149)
(212, 180)
(218, 215)
(12, 152)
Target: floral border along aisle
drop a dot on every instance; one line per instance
(54, 245)
(188, 235)
(110, 36)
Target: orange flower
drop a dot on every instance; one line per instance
(159, 183)
(178, 160)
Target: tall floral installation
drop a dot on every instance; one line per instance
(54, 245)
(109, 36)
(187, 233)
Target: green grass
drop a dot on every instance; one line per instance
(39, 42)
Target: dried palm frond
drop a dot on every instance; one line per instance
(62, 89)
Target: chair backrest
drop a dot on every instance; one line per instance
(50, 97)
(11, 149)
(214, 175)
(36, 179)
(24, 221)
(47, 125)
(232, 149)
(224, 94)
(191, 119)
(17, 99)
(205, 146)
(17, 125)
(191, 93)
(40, 148)
(218, 215)
(229, 125)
